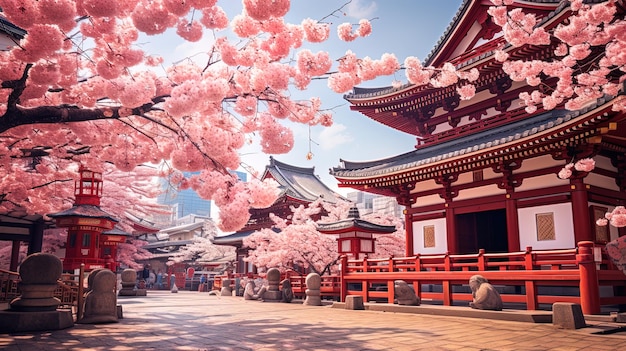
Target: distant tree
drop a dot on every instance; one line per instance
(295, 242)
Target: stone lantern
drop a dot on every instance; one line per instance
(85, 222)
(354, 235)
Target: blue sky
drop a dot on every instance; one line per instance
(402, 27)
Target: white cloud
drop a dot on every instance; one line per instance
(361, 9)
(333, 136)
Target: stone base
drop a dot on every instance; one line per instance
(272, 296)
(120, 315)
(127, 292)
(14, 321)
(620, 317)
(568, 315)
(141, 292)
(354, 302)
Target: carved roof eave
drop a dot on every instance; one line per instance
(354, 224)
(576, 131)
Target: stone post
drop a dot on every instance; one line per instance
(273, 294)
(129, 279)
(100, 301)
(313, 295)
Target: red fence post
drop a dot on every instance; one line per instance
(589, 287)
(531, 288)
(343, 290)
(445, 284)
(482, 266)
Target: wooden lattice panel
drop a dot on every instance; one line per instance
(545, 226)
(429, 236)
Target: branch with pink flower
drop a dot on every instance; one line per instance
(616, 218)
(583, 165)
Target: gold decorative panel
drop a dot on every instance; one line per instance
(429, 236)
(545, 226)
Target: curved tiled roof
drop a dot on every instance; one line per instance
(495, 137)
(357, 224)
(11, 29)
(299, 182)
(89, 211)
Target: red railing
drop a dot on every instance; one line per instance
(521, 274)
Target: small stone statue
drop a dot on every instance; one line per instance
(226, 290)
(273, 293)
(404, 294)
(486, 297)
(249, 293)
(287, 290)
(100, 301)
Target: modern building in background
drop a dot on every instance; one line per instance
(186, 205)
(368, 203)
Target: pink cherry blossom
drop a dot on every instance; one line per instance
(466, 92)
(585, 165)
(344, 31)
(314, 31)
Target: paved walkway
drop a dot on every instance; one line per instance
(199, 321)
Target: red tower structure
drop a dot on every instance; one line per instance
(355, 235)
(85, 222)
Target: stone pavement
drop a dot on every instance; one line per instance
(199, 321)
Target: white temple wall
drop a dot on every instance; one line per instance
(563, 227)
(434, 199)
(481, 191)
(541, 182)
(440, 243)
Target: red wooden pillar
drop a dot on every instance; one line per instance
(344, 284)
(589, 287)
(408, 225)
(451, 234)
(580, 211)
(512, 224)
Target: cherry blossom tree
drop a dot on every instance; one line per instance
(295, 243)
(78, 89)
(131, 252)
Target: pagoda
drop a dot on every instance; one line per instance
(355, 236)
(85, 223)
(483, 174)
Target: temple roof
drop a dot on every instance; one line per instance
(11, 29)
(299, 183)
(117, 231)
(502, 137)
(354, 224)
(231, 239)
(89, 211)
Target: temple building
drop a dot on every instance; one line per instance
(484, 171)
(298, 186)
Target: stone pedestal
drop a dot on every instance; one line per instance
(354, 302)
(14, 321)
(567, 315)
(129, 279)
(273, 293)
(36, 308)
(313, 293)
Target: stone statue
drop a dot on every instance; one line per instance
(313, 293)
(486, 297)
(287, 290)
(250, 293)
(129, 279)
(404, 294)
(100, 301)
(273, 293)
(226, 290)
